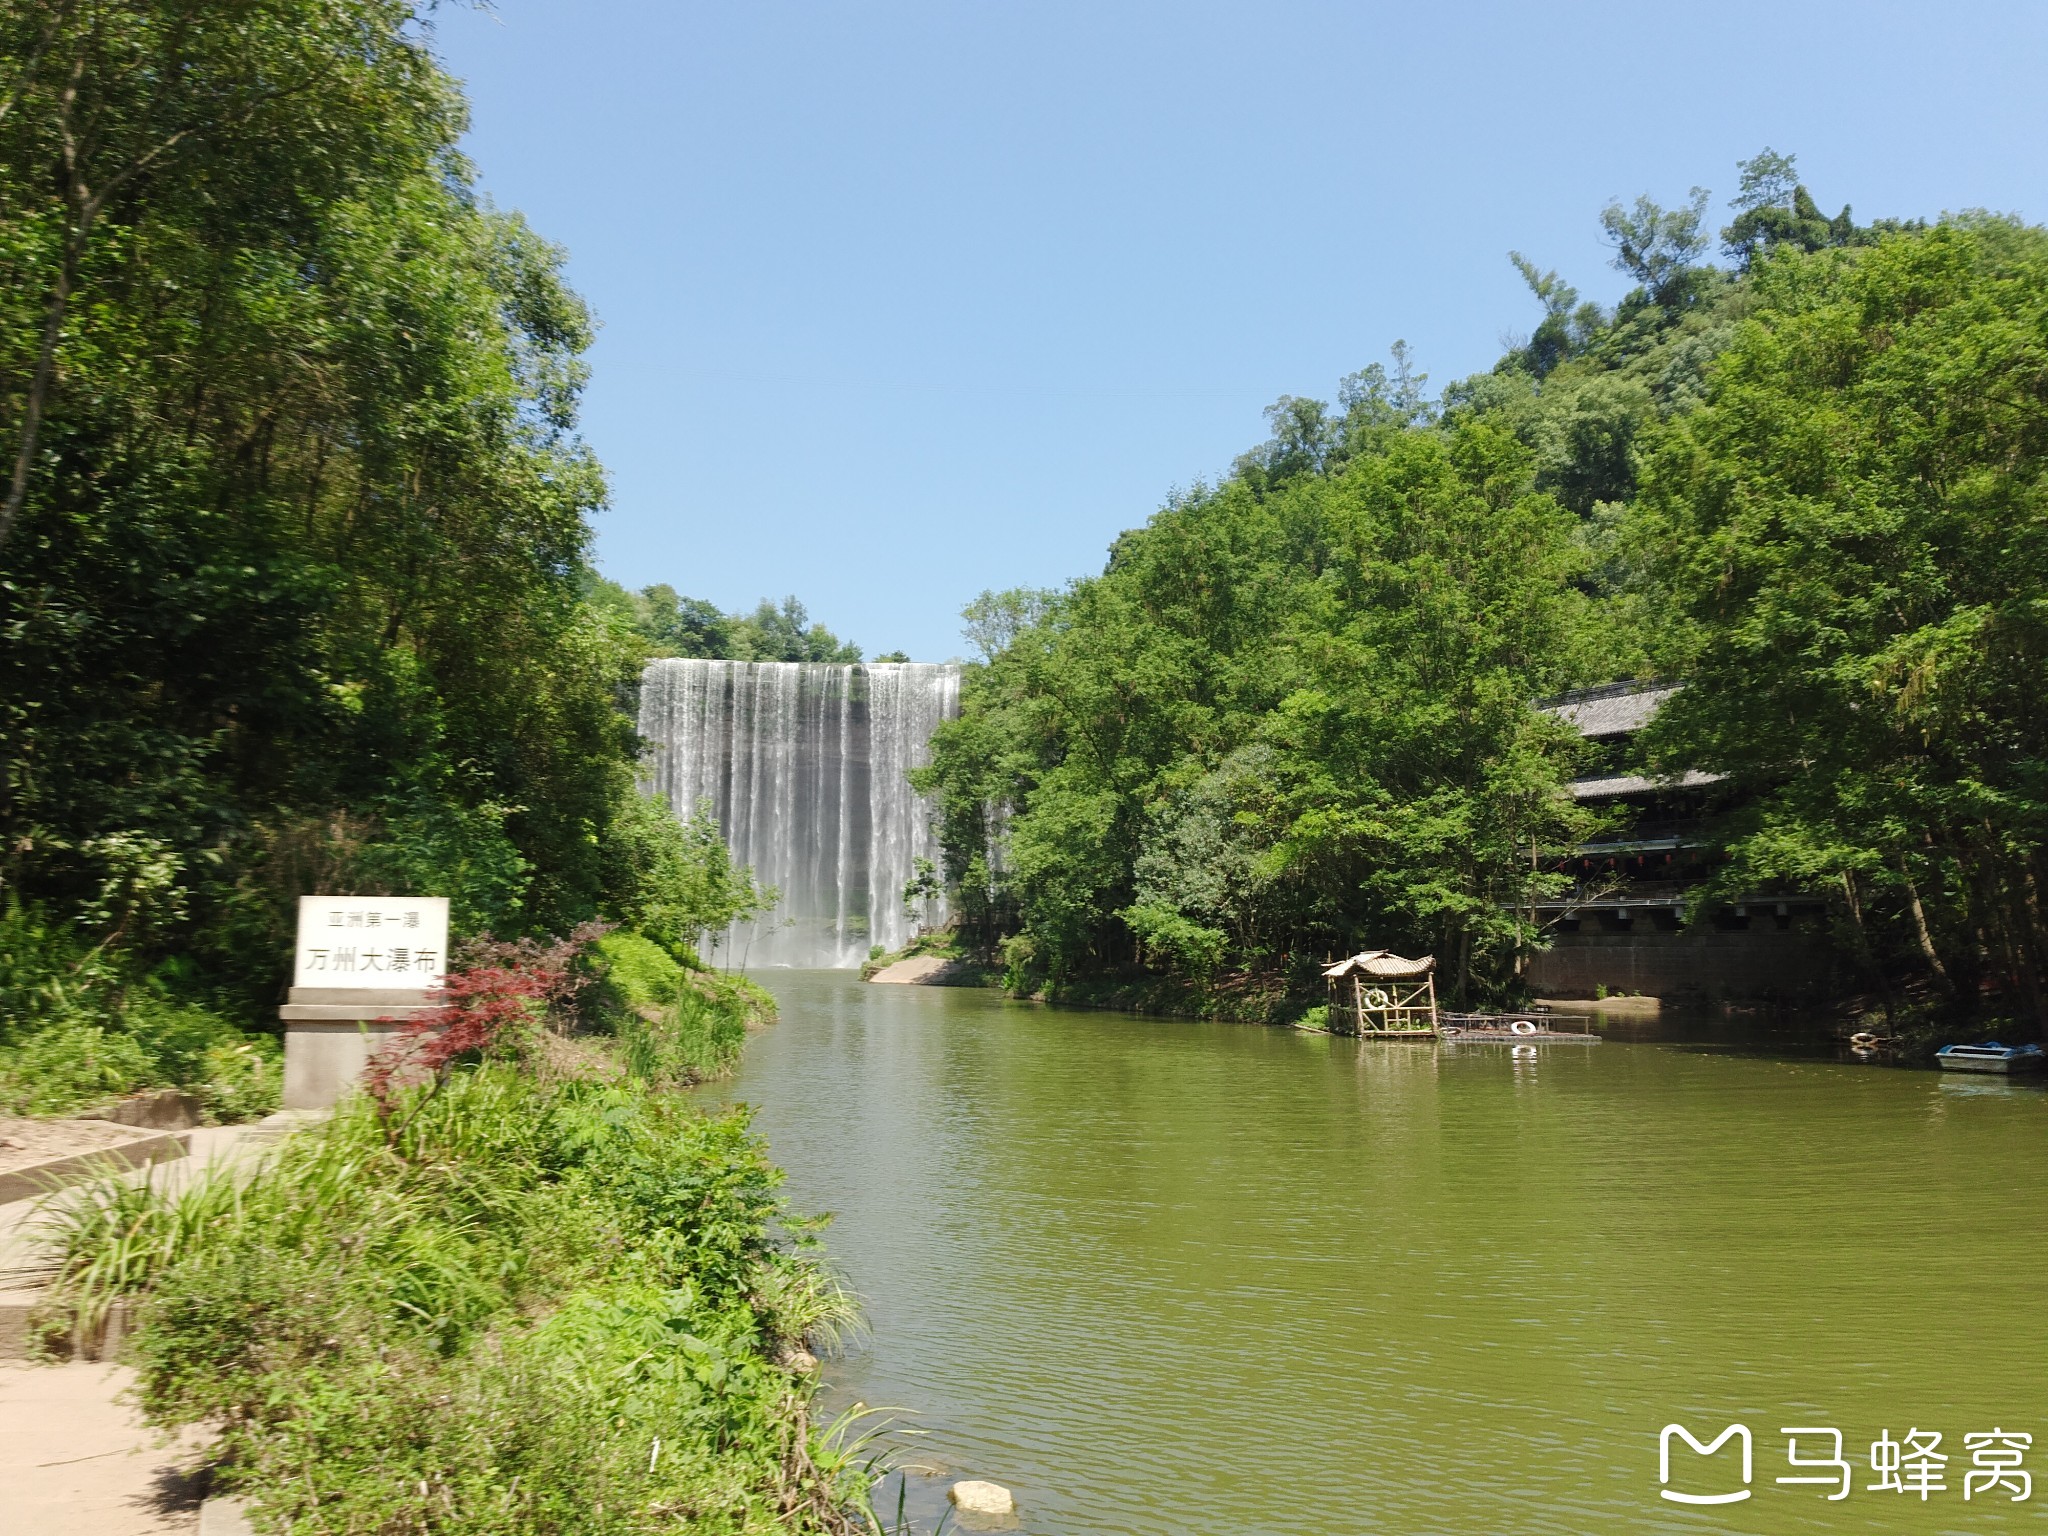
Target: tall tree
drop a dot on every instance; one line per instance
(1773, 208)
(113, 106)
(1659, 247)
(1851, 532)
(298, 512)
(1291, 715)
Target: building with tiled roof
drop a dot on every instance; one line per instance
(1630, 920)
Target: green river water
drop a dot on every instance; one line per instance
(1169, 1277)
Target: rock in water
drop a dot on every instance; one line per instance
(981, 1498)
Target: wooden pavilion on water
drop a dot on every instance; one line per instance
(1388, 994)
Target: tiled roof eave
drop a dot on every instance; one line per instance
(1613, 786)
(1612, 715)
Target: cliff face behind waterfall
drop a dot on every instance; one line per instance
(806, 767)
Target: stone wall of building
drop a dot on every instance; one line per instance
(1702, 962)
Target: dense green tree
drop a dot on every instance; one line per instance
(1294, 711)
(1852, 531)
(1773, 209)
(675, 881)
(290, 589)
(1589, 380)
(786, 633)
(667, 624)
(118, 119)
(682, 626)
(1285, 719)
(995, 619)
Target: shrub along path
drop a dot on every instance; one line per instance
(536, 1290)
(206, 1146)
(556, 1306)
(76, 1458)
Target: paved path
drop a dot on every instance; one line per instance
(76, 1461)
(236, 1146)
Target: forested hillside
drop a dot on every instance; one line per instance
(1293, 714)
(668, 624)
(292, 557)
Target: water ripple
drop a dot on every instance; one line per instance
(1166, 1278)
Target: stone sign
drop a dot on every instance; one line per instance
(380, 942)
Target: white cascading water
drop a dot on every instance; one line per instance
(806, 767)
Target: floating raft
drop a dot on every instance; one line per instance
(1394, 998)
(1516, 1028)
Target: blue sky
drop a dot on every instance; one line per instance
(904, 301)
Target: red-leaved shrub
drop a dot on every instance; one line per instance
(504, 986)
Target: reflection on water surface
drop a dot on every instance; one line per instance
(1168, 1277)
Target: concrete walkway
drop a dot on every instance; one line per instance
(76, 1461)
(230, 1146)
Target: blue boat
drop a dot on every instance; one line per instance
(1991, 1057)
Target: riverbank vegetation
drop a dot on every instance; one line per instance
(1294, 713)
(963, 963)
(1851, 542)
(535, 1291)
(293, 581)
(294, 597)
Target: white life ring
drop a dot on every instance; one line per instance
(1376, 997)
(1523, 1026)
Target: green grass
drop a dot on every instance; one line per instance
(636, 971)
(83, 1063)
(486, 1325)
(690, 1041)
(675, 1026)
(80, 1027)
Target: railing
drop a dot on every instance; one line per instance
(1679, 831)
(1623, 893)
(1516, 1026)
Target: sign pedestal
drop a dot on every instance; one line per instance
(365, 965)
(330, 1034)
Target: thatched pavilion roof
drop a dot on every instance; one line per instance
(1382, 963)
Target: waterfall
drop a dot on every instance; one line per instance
(806, 766)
